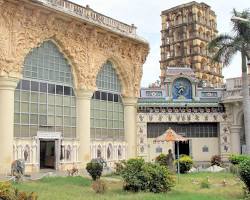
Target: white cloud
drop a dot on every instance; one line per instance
(145, 14)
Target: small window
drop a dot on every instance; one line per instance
(116, 99)
(205, 149)
(66, 90)
(59, 89)
(110, 97)
(104, 96)
(51, 89)
(158, 150)
(97, 95)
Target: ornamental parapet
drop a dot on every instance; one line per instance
(91, 16)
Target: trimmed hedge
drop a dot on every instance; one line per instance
(186, 163)
(94, 169)
(236, 159)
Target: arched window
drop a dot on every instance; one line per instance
(106, 106)
(119, 152)
(99, 152)
(44, 98)
(109, 152)
(68, 153)
(26, 153)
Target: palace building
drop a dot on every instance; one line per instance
(69, 83)
(190, 98)
(70, 87)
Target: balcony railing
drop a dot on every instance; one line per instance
(232, 94)
(90, 15)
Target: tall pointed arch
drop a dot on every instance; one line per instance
(107, 113)
(45, 98)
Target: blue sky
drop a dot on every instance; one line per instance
(145, 14)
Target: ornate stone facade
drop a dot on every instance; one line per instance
(25, 25)
(87, 40)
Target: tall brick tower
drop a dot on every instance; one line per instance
(186, 31)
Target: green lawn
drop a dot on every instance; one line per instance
(78, 188)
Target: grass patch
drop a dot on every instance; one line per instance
(79, 188)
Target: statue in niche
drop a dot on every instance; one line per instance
(170, 160)
(182, 89)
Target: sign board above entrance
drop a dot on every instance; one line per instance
(49, 135)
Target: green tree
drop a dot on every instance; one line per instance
(225, 46)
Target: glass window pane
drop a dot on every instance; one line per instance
(51, 99)
(33, 119)
(34, 86)
(51, 89)
(24, 131)
(67, 111)
(33, 131)
(17, 95)
(25, 96)
(24, 118)
(43, 98)
(43, 87)
(67, 90)
(17, 106)
(67, 121)
(51, 120)
(42, 120)
(34, 108)
(25, 107)
(25, 85)
(17, 118)
(34, 96)
(59, 100)
(66, 101)
(59, 110)
(59, 89)
(51, 110)
(43, 108)
(59, 121)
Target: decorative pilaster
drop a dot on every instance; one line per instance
(235, 139)
(130, 110)
(7, 89)
(83, 124)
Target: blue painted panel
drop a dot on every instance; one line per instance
(182, 89)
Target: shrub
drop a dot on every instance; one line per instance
(99, 186)
(8, 192)
(186, 163)
(133, 175)
(161, 159)
(205, 183)
(237, 159)
(158, 178)
(216, 160)
(244, 167)
(94, 169)
(141, 176)
(119, 166)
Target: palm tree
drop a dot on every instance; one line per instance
(225, 46)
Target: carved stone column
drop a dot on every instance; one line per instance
(83, 124)
(235, 139)
(130, 110)
(7, 89)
